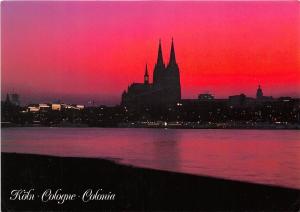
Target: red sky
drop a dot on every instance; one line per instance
(78, 51)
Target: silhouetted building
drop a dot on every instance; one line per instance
(237, 100)
(165, 89)
(13, 99)
(260, 95)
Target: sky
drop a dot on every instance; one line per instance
(81, 51)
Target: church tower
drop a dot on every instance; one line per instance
(173, 77)
(172, 61)
(259, 93)
(158, 73)
(165, 89)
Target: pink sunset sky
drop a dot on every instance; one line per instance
(81, 51)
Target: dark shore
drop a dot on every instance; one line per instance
(135, 188)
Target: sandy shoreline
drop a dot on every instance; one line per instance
(134, 188)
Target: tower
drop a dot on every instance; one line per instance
(259, 93)
(173, 77)
(172, 60)
(146, 76)
(159, 68)
(165, 89)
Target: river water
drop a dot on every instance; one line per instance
(260, 156)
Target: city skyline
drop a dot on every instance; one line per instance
(104, 46)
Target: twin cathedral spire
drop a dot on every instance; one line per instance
(165, 88)
(160, 65)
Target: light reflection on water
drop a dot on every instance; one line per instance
(261, 156)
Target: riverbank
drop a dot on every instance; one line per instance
(134, 188)
(212, 125)
(173, 125)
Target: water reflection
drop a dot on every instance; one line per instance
(262, 156)
(165, 150)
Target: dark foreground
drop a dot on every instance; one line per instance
(135, 188)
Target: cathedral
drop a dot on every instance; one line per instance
(165, 89)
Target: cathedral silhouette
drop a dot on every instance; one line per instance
(165, 89)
